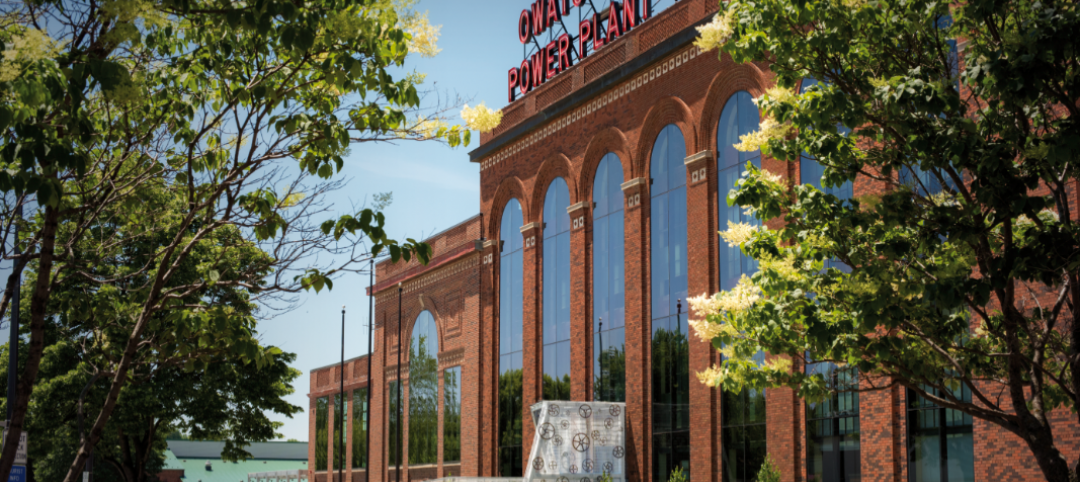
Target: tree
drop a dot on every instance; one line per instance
(186, 376)
(224, 401)
(960, 274)
(241, 113)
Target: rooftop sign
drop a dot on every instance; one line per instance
(595, 28)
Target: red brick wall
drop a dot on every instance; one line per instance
(460, 286)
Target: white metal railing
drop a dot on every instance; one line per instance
(279, 476)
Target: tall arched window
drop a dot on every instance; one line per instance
(670, 343)
(609, 286)
(556, 310)
(811, 172)
(424, 392)
(740, 117)
(510, 341)
(743, 416)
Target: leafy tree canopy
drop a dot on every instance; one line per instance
(956, 263)
(165, 163)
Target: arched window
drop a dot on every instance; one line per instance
(670, 343)
(811, 172)
(556, 309)
(510, 341)
(424, 392)
(740, 117)
(743, 416)
(609, 286)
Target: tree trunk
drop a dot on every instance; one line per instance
(38, 302)
(1052, 462)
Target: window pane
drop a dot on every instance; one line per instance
(452, 415)
(340, 409)
(941, 446)
(556, 289)
(322, 433)
(510, 337)
(739, 117)
(395, 436)
(424, 392)
(670, 345)
(359, 428)
(609, 354)
(833, 427)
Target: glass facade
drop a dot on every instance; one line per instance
(832, 428)
(510, 341)
(556, 309)
(340, 409)
(739, 117)
(609, 283)
(811, 172)
(424, 392)
(322, 431)
(359, 428)
(940, 443)
(670, 343)
(395, 437)
(743, 432)
(452, 415)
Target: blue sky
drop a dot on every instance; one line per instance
(434, 186)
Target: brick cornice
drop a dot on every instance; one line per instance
(529, 227)
(634, 186)
(573, 209)
(696, 161)
(633, 190)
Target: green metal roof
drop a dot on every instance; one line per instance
(195, 469)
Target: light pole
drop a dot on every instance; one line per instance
(370, 386)
(13, 334)
(600, 356)
(343, 404)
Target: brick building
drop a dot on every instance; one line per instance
(601, 195)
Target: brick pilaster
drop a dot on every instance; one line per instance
(580, 302)
(638, 333)
(532, 342)
(701, 240)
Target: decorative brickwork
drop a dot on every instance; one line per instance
(628, 92)
(606, 59)
(662, 29)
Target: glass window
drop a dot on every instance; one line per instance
(940, 443)
(557, 292)
(670, 344)
(424, 392)
(811, 172)
(322, 432)
(510, 341)
(359, 428)
(452, 415)
(340, 409)
(740, 117)
(394, 425)
(743, 432)
(832, 428)
(609, 285)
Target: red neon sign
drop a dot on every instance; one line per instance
(558, 55)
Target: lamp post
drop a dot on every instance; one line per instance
(600, 334)
(370, 386)
(343, 404)
(13, 329)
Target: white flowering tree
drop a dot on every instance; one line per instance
(955, 268)
(238, 116)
